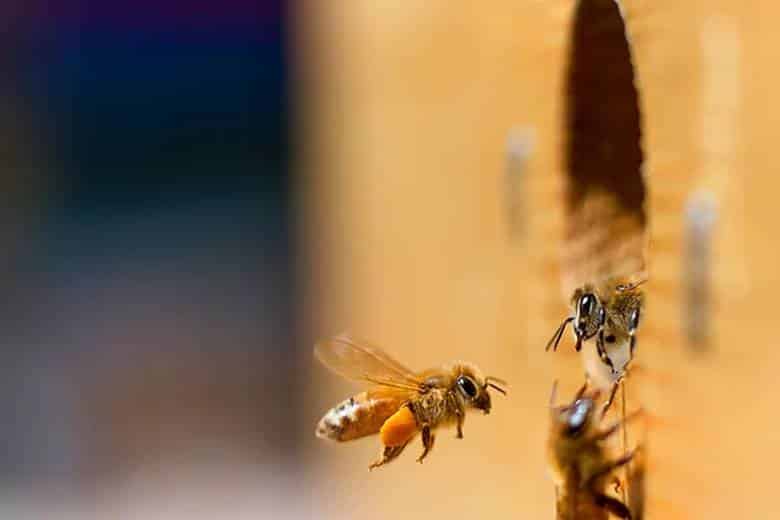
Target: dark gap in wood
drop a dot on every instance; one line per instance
(603, 120)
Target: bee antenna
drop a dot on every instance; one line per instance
(558, 335)
(498, 388)
(496, 380)
(493, 382)
(630, 286)
(553, 394)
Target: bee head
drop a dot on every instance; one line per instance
(589, 317)
(576, 416)
(573, 419)
(473, 388)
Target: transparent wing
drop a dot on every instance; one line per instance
(359, 360)
(392, 396)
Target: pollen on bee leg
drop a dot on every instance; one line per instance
(399, 428)
(388, 455)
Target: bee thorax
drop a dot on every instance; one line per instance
(437, 407)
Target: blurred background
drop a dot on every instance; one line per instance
(147, 260)
(194, 192)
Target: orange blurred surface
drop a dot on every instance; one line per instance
(408, 109)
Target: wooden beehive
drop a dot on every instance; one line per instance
(407, 108)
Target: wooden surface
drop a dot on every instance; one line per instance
(406, 113)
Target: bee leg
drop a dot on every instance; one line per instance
(582, 389)
(613, 505)
(427, 439)
(460, 415)
(610, 467)
(608, 403)
(389, 453)
(602, 351)
(605, 434)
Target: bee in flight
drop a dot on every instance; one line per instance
(578, 460)
(610, 313)
(401, 403)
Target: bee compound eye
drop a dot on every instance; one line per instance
(587, 302)
(467, 387)
(579, 414)
(634, 320)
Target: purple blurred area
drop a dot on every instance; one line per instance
(146, 262)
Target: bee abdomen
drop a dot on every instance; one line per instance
(577, 505)
(356, 417)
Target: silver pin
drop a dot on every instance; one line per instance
(520, 144)
(700, 218)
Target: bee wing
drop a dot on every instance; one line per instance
(391, 394)
(361, 361)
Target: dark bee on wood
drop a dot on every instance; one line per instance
(609, 312)
(579, 461)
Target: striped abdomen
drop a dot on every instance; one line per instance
(357, 417)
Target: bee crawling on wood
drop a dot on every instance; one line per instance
(401, 403)
(609, 312)
(578, 459)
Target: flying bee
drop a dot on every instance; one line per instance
(609, 312)
(401, 403)
(578, 458)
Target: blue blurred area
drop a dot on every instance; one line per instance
(159, 221)
(185, 114)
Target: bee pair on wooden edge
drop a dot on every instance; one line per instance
(578, 452)
(400, 403)
(579, 460)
